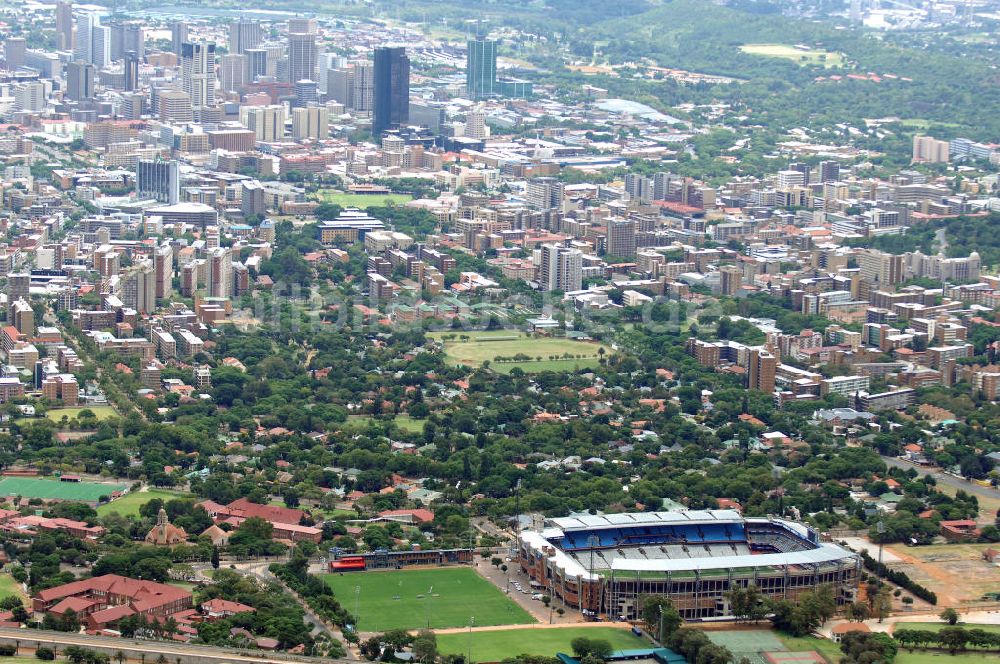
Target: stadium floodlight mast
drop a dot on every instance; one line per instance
(592, 542)
(472, 623)
(880, 528)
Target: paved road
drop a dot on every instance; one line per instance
(28, 638)
(943, 478)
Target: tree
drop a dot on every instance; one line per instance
(660, 616)
(858, 612)
(215, 557)
(746, 603)
(425, 647)
(883, 603)
(953, 639)
(598, 647)
(949, 616)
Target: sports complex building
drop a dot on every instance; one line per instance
(604, 564)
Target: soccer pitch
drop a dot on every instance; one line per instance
(414, 599)
(32, 487)
(494, 646)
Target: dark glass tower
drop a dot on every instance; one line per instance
(392, 88)
(481, 68)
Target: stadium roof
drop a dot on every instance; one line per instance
(825, 553)
(597, 522)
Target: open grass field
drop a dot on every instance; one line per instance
(830, 650)
(10, 588)
(495, 646)
(956, 572)
(101, 412)
(802, 56)
(404, 422)
(918, 657)
(32, 487)
(938, 626)
(129, 504)
(547, 352)
(361, 201)
(412, 599)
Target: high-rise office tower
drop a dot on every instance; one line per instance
(15, 49)
(361, 79)
(829, 171)
(392, 88)
(481, 68)
(178, 35)
(301, 53)
(198, 73)
(256, 64)
(64, 25)
(475, 125)
(163, 271)
(132, 106)
(131, 71)
(139, 287)
(638, 187)
(220, 272)
(135, 40)
(306, 93)
(545, 193)
(266, 122)
(84, 40)
(302, 24)
(159, 180)
(245, 34)
(232, 71)
(621, 238)
(561, 268)
(80, 81)
(29, 97)
(100, 47)
(310, 123)
(174, 106)
(326, 62)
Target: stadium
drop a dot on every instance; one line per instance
(604, 564)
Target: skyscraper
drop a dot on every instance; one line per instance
(561, 268)
(310, 123)
(178, 35)
(232, 71)
(14, 51)
(245, 34)
(302, 63)
(80, 80)
(266, 122)
(83, 49)
(198, 73)
(131, 71)
(64, 25)
(361, 81)
(481, 68)
(100, 46)
(392, 88)
(621, 237)
(256, 64)
(159, 180)
(163, 271)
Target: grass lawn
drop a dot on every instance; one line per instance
(482, 346)
(361, 201)
(129, 504)
(36, 487)
(409, 599)
(812, 56)
(501, 644)
(9, 587)
(404, 422)
(917, 657)
(938, 626)
(101, 412)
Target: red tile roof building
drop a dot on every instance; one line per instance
(106, 599)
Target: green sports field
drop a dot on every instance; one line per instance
(361, 201)
(412, 599)
(129, 504)
(100, 412)
(32, 487)
(502, 644)
(545, 353)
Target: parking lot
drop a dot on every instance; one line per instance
(518, 587)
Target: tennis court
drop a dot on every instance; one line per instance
(750, 644)
(46, 489)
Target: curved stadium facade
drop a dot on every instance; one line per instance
(604, 564)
